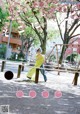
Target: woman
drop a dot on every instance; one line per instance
(39, 64)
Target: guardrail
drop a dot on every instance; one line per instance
(47, 68)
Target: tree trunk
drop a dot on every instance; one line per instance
(43, 49)
(43, 46)
(62, 54)
(66, 41)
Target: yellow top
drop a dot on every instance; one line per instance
(39, 60)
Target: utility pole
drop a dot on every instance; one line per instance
(9, 39)
(10, 29)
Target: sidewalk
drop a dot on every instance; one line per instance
(67, 103)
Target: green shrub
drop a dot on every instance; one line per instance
(71, 58)
(21, 55)
(2, 50)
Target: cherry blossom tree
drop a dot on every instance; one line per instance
(71, 20)
(65, 13)
(34, 14)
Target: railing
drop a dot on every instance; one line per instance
(57, 67)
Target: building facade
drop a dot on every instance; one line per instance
(15, 42)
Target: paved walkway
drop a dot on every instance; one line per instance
(56, 96)
(67, 104)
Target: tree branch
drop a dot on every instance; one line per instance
(25, 20)
(37, 18)
(66, 23)
(74, 30)
(29, 43)
(38, 33)
(59, 28)
(30, 24)
(45, 27)
(45, 22)
(74, 23)
(73, 41)
(62, 21)
(74, 36)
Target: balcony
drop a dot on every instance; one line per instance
(12, 40)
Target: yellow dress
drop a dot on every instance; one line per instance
(39, 61)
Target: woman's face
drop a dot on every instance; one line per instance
(38, 52)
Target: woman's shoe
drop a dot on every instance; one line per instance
(45, 80)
